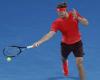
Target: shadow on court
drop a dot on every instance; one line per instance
(63, 78)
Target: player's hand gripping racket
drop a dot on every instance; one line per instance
(13, 51)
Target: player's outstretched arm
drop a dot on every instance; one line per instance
(48, 36)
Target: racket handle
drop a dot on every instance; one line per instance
(28, 47)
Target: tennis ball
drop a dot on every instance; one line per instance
(8, 59)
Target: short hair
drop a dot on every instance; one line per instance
(62, 5)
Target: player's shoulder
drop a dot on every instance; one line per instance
(58, 20)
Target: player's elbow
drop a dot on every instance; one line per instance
(50, 35)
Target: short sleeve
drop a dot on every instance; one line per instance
(54, 26)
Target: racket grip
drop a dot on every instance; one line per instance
(28, 47)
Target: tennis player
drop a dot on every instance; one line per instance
(67, 24)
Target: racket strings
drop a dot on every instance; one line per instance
(11, 51)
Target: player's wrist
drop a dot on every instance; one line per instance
(39, 42)
(36, 44)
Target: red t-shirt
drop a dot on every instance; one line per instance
(68, 27)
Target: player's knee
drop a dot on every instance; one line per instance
(64, 59)
(79, 61)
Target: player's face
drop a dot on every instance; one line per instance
(61, 14)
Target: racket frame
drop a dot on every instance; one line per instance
(18, 47)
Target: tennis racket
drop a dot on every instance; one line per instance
(13, 51)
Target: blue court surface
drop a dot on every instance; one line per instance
(23, 22)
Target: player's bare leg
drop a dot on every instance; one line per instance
(79, 62)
